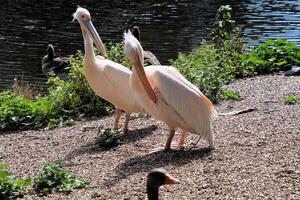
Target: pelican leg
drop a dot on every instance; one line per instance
(167, 146)
(127, 118)
(211, 141)
(181, 140)
(169, 141)
(117, 117)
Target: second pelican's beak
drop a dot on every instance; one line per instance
(141, 73)
(96, 38)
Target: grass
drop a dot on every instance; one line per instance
(20, 88)
(290, 100)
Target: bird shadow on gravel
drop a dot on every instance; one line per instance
(93, 148)
(145, 163)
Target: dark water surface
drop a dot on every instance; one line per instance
(167, 27)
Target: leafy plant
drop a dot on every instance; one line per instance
(109, 138)
(74, 97)
(229, 94)
(291, 100)
(96, 193)
(54, 177)
(18, 112)
(224, 26)
(270, 56)
(201, 67)
(10, 186)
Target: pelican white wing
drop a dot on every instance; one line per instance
(184, 98)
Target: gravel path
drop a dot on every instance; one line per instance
(257, 154)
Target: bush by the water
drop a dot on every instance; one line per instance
(10, 186)
(270, 56)
(222, 58)
(217, 60)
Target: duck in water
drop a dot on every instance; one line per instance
(56, 66)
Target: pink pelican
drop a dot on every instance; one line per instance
(108, 79)
(167, 96)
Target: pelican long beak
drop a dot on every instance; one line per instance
(141, 73)
(170, 180)
(96, 38)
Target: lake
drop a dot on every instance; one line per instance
(167, 27)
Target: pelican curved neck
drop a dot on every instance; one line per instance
(89, 54)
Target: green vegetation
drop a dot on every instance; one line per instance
(217, 61)
(116, 54)
(270, 56)
(96, 193)
(229, 94)
(19, 112)
(222, 58)
(54, 177)
(74, 97)
(109, 138)
(10, 186)
(291, 100)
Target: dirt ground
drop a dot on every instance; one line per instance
(257, 154)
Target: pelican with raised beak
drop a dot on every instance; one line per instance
(108, 79)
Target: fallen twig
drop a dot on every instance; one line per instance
(238, 112)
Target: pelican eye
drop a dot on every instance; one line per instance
(82, 16)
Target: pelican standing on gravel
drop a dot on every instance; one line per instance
(108, 79)
(166, 95)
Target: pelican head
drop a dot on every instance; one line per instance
(83, 16)
(133, 48)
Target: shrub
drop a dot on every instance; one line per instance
(17, 112)
(74, 97)
(54, 177)
(216, 61)
(116, 54)
(10, 186)
(270, 56)
(201, 67)
(224, 26)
